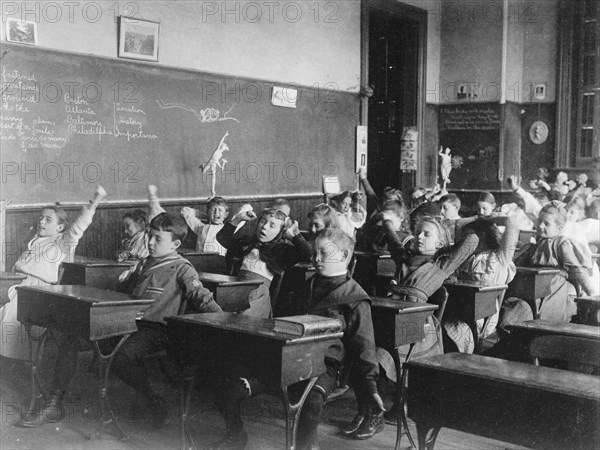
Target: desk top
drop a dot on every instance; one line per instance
(94, 296)
(226, 280)
(96, 262)
(12, 276)
(558, 328)
(246, 324)
(475, 286)
(538, 270)
(376, 255)
(589, 299)
(192, 252)
(514, 373)
(400, 306)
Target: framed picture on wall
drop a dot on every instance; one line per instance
(138, 38)
(21, 31)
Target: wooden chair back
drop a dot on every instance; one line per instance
(440, 298)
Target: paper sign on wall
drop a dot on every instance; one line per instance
(361, 148)
(284, 96)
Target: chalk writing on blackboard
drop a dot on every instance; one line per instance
(23, 119)
(469, 118)
(206, 115)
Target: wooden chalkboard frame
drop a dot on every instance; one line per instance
(321, 135)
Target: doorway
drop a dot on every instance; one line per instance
(393, 38)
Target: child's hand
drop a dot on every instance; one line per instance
(386, 215)
(152, 190)
(292, 231)
(513, 182)
(376, 402)
(187, 211)
(100, 194)
(245, 214)
(544, 185)
(362, 174)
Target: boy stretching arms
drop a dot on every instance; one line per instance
(330, 293)
(167, 278)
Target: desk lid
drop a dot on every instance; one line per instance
(400, 306)
(475, 286)
(96, 262)
(514, 373)
(95, 296)
(12, 276)
(215, 278)
(558, 328)
(590, 298)
(246, 324)
(538, 270)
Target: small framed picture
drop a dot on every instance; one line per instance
(138, 38)
(21, 31)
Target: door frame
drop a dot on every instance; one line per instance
(403, 11)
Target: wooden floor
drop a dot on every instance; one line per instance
(263, 418)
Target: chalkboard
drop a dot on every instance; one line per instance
(70, 121)
(472, 132)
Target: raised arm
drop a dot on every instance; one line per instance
(154, 208)
(371, 195)
(189, 215)
(532, 206)
(74, 232)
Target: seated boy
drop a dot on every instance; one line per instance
(167, 278)
(217, 210)
(330, 293)
(450, 204)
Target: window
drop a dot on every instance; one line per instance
(579, 84)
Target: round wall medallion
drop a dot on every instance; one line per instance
(538, 133)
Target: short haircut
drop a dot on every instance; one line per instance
(61, 214)
(274, 212)
(326, 213)
(337, 200)
(338, 237)
(279, 202)
(452, 199)
(138, 216)
(486, 197)
(217, 201)
(170, 223)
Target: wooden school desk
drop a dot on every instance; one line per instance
(531, 283)
(82, 311)
(205, 262)
(230, 293)
(588, 310)
(471, 302)
(515, 402)
(277, 358)
(397, 323)
(8, 279)
(93, 272)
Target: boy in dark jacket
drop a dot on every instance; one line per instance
(330, 293)
(167, 278)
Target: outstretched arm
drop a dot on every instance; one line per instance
(154, 208)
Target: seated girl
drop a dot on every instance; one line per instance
(55, 241)
(135, 246)
(320, 217)
(490, 265)
(422, 267)
(217, 211)
(556, 250)
(266, 253)
(348, 219)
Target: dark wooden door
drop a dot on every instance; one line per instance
(393, 61)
